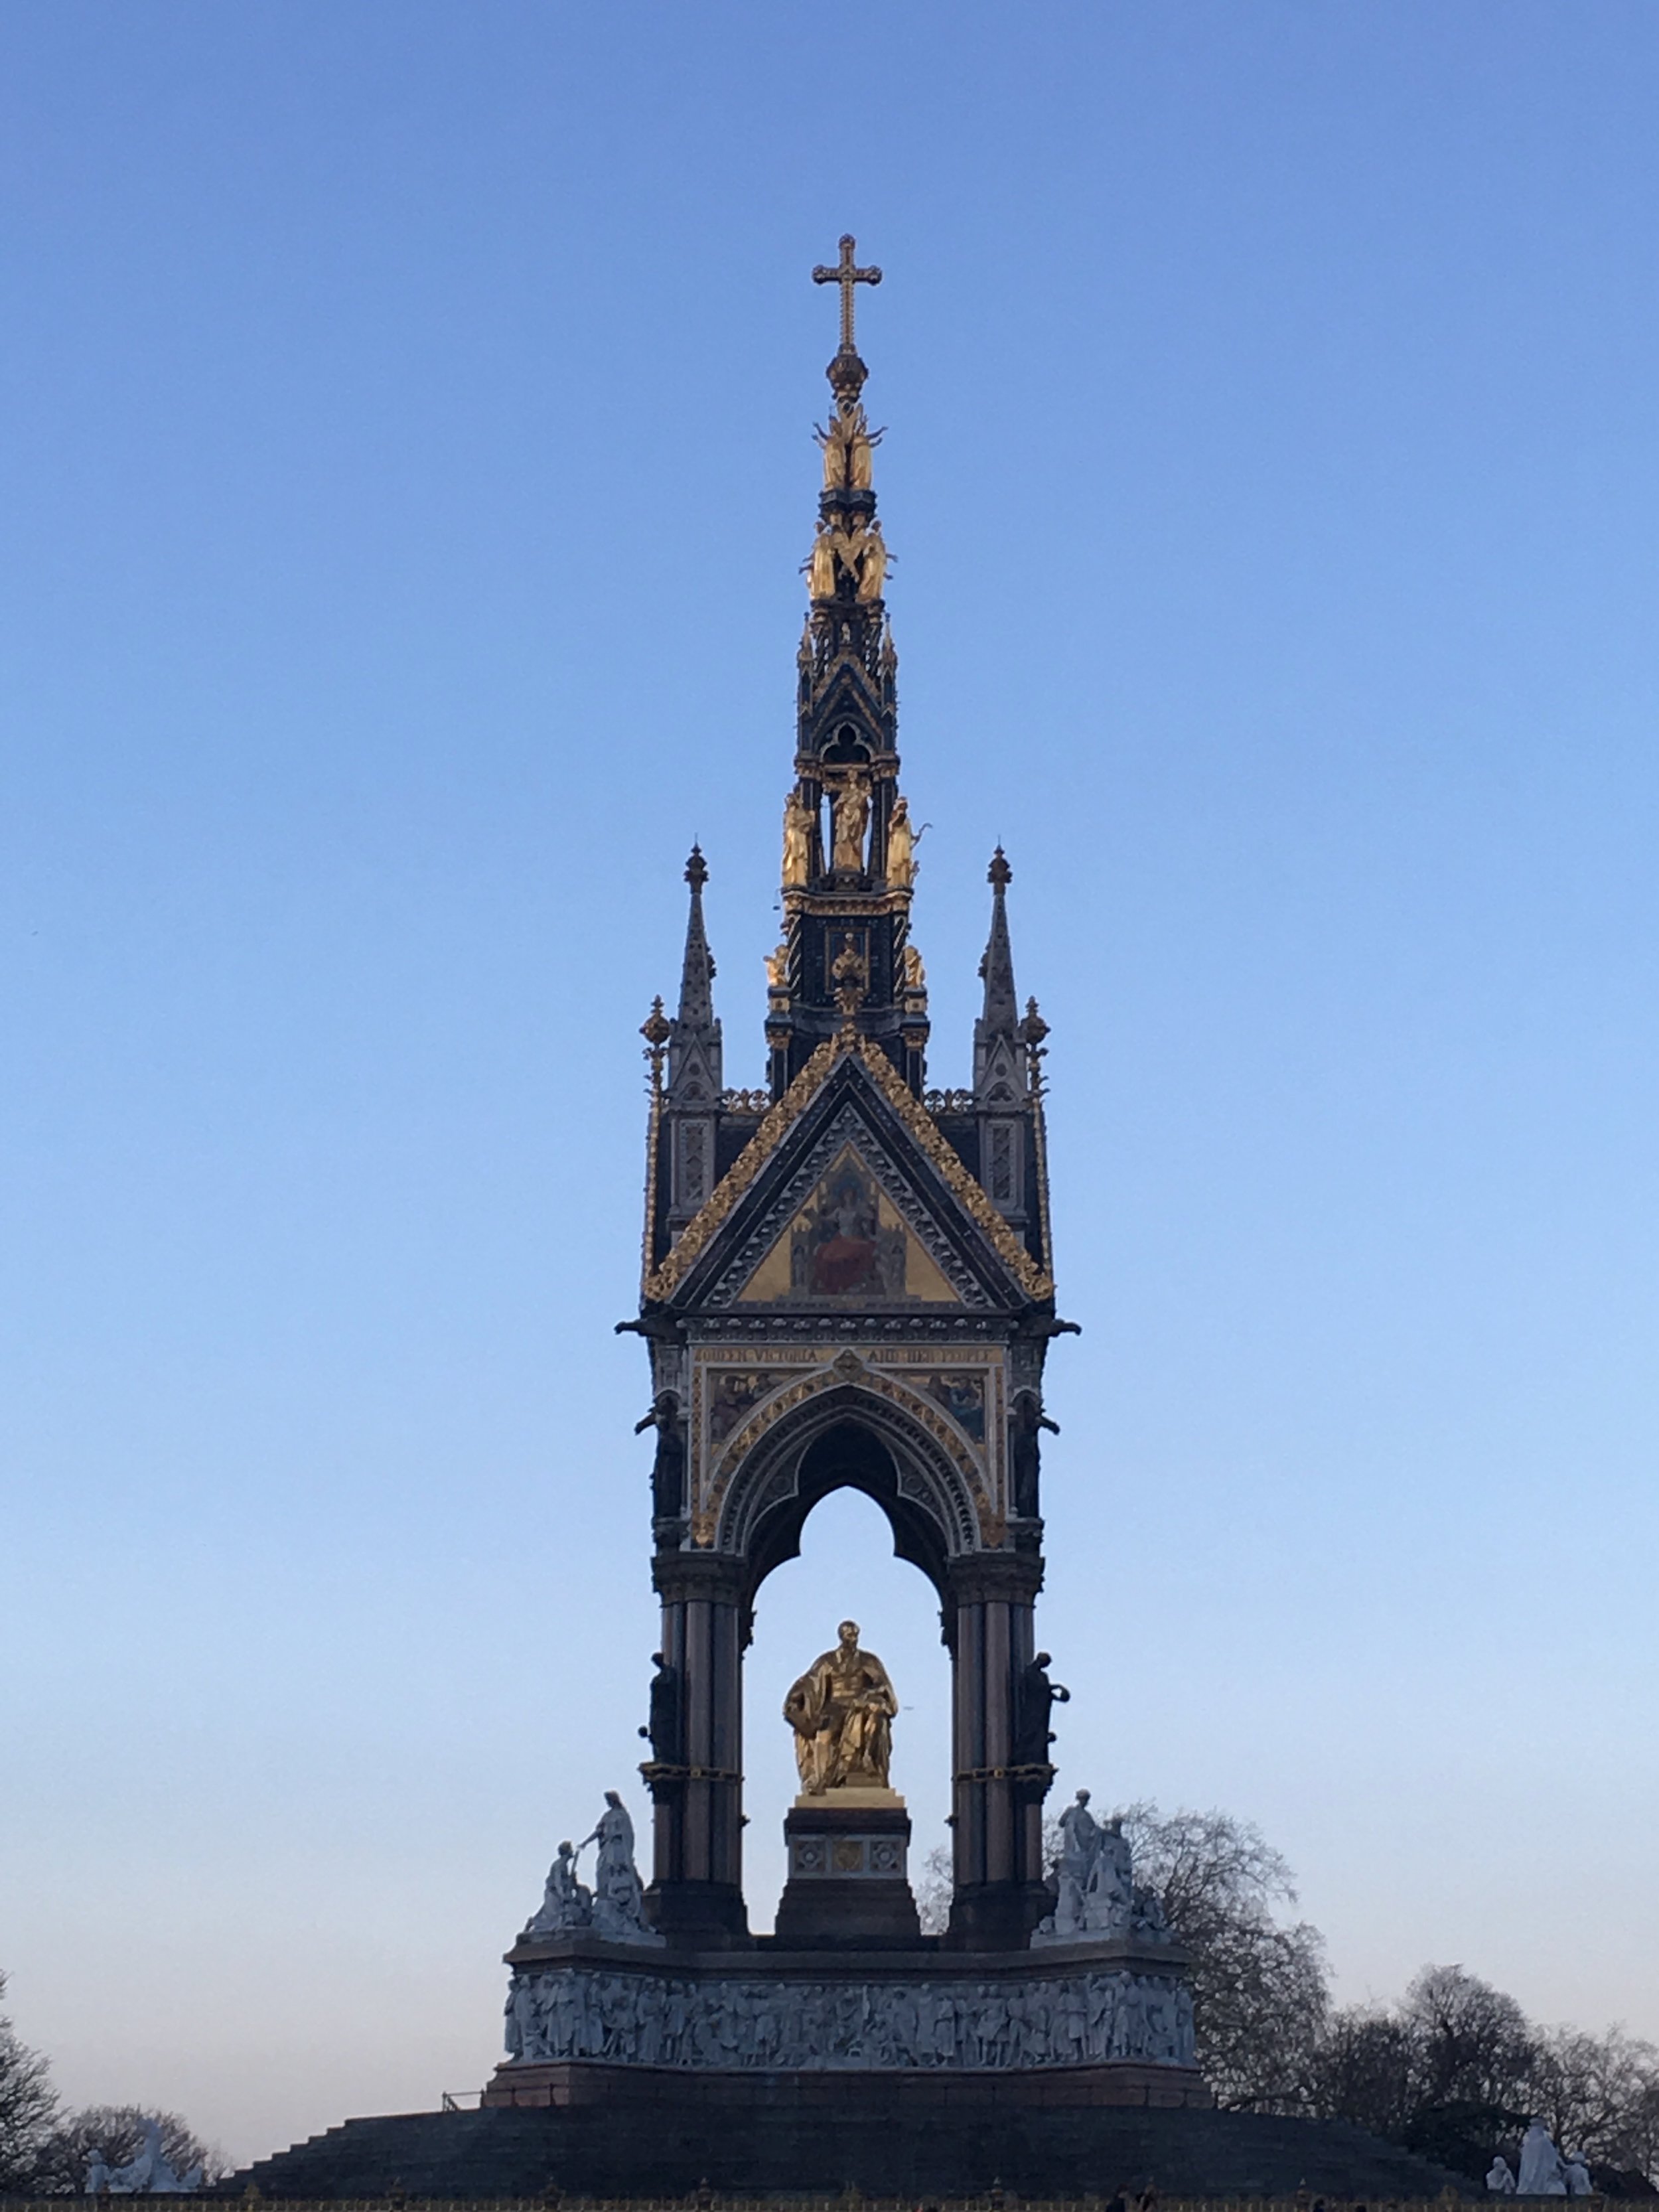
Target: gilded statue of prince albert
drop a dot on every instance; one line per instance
(841, 1711)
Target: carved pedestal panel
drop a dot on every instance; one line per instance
(848, 1883)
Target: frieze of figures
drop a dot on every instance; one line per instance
(574, 2012)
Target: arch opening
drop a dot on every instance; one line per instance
(843, 1566)
(858, 1438)
(848, 1456)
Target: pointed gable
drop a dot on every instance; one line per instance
(846, 1159)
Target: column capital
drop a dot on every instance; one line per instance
(990, 1578)
(685, 1577)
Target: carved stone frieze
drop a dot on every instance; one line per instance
(581, 2011)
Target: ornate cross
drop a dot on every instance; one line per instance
(845, 273)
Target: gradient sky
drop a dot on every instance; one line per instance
(406, 414)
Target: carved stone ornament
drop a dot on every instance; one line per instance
(583, 2011)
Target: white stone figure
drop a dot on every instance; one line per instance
(675, 2014)
(525, 2031)
(654, 2016)
(1080, 1848)
(129, 2180)
(1109, 1898)
(566, 1903)
(1070, 2022)
(1499, 2179)
(1039, 2038)
(1160, 2026)
(148, 2172)
(618, 1896)
(1185, 2036)
(1540, 2173)
(97, 2171)
(1575, 2172)
(1130, 2028)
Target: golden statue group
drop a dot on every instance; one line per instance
(841, 1711)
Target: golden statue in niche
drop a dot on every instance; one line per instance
(797, 840)
(873, 564)
(901, 847)
(852, 806)
(821, 564)
(841, 1711)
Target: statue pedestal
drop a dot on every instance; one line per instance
(848, 1884)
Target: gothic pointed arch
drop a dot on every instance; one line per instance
(851, 1428)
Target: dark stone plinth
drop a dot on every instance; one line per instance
(583, 2083)
(779, 2140)
(848, 1882)
(698, 1916)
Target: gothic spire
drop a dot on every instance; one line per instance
(694, 1043)
(998, 1046)
(848, 840)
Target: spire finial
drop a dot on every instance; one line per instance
(847, 273)
(1000, 1017)
(656, 1029)
(693, 1022)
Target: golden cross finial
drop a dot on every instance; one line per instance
(847, 274)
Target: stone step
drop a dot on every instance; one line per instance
(671, 2149)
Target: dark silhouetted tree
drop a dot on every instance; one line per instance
(28, 2108)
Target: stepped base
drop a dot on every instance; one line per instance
(651, 2090)
(780, 2142)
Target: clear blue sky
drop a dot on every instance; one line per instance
(405, 417)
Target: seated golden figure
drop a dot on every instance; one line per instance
(841, 1711)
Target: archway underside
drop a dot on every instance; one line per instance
(848, 1439)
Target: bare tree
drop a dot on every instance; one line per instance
(61, 2166)
(28, 2108)
(1366, 2069)
(1258, 1988)
(1456, 2070)
(1600, 2094)
(933, 1890)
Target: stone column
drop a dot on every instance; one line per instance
(696, 1896)
(997, 1806)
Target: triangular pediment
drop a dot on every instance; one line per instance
(848, 1196)
(848, 1245)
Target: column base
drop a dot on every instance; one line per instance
(996, 1916)
(699, 1916)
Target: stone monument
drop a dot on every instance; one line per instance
(847, 1281)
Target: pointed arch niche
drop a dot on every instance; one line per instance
(845, 1566)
